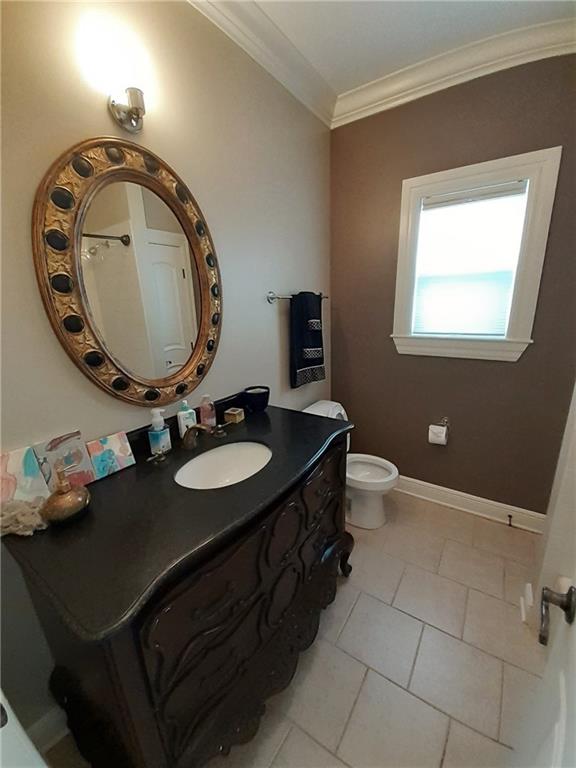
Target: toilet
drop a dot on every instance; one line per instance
(368, 478)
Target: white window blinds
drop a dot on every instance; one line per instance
(467, 253)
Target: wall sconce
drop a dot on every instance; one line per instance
(129, 116)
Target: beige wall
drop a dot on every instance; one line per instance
(254, 158)
(112, 282)
(507, 419)
(157, 213)
(108, 207)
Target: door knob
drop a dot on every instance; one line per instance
(564, 600)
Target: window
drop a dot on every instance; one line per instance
(471, 250)
(466, 258)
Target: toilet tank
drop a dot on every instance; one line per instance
(330, 409)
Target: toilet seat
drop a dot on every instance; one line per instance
(370, 473)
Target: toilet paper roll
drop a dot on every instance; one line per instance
(437, 434)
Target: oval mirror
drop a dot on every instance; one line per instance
(127, 271)
(141, 284)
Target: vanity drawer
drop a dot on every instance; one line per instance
(203, 639)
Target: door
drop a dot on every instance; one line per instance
(167, 283)
(16, 749)
(546, 735)
(167, 275)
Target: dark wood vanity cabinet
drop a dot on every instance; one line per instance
(189, 676)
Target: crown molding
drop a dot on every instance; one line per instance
(250, 28)
(457, 66)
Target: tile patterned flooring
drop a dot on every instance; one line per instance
(422, 660)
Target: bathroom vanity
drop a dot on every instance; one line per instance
(173, 614)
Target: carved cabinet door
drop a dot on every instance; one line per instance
(228, 635)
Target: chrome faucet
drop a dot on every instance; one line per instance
(190, 438)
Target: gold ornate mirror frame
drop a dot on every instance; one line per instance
(60, 206)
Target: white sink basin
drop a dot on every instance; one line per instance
(225, 465)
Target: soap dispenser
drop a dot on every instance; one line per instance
(207, 411)
(186, 417)
(159, 433)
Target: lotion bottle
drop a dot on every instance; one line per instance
(207, 411)
(186, 417)
(159, 433)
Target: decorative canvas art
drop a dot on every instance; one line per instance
(110, 454)
(66, 452)
(21, 478)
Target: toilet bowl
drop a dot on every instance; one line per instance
(368, 478)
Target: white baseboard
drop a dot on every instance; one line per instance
(475, 505)
(48, 729)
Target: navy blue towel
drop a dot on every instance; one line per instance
(306, 346)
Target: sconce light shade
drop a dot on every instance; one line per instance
(130, 115)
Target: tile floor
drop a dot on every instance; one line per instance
(421, 661)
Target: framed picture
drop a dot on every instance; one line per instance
(110, 454)
(21, 478)
(66, 452)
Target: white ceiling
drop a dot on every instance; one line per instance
(352, 43)
(346, 59)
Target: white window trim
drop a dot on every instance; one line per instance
(541, 169)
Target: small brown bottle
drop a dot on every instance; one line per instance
(66, 501)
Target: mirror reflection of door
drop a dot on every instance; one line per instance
(143, 294)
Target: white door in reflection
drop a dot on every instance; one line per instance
(167, 286)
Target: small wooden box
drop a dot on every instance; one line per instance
(234, 415)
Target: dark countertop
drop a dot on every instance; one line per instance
(142, 527)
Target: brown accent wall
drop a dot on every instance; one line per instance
(507, 418)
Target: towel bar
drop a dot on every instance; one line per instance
(271, 297)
